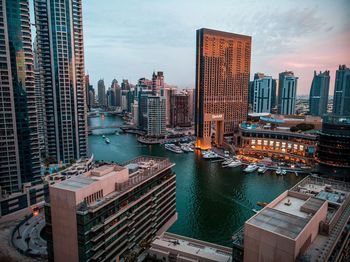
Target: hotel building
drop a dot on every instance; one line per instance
(59, 29)
(19, 140)
(104, 213)
(307, 223)
(287, 93)
(222, 79)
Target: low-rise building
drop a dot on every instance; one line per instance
(104, 213)
(170, 247)
(307, 223)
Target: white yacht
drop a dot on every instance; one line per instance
(235, 163)
(107, 140)
(173, 148)
(210, 155)
(279, 171)
(227, 161)
(186, 148)
(284, 172)
(251, 168)
(103, 136)
(262, 169)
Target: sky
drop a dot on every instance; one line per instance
(131, 39)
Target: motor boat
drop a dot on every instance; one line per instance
(103, 136)
(262, 169)
(284, 172)
(279, 171)
(173, 148)
(235, 163)
(210, 155)
(251, 168)
(107, 140)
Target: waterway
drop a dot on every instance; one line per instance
(212, 202)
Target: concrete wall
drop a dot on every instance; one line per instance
(64, 225)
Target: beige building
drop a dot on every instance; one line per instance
(103, 213)
(306, 223)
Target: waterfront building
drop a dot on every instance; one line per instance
(261, 139)
(222, 80)
(187, 249)
(318, 99)
(92, 97)
(19, 140)
(262, 93)
(180, 110)
(117, 93)
(135, 112)
(61, 58)
(274, 96)
(87, 90)
(101, 92)
(169, 92)
(306, 223)
(107, 211)
(124, 99)
(334, 142)
(250, 95)
(341, 98)
(191, 103)
(287, 93)
(142, 109)
(156, 119)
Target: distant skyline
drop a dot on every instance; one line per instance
(131, 39)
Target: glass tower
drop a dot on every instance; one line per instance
(318, 100)
(19, 144)
(341, 98)
(287, 93)
(61, 59)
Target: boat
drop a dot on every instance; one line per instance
(279, 171)
(117, 133)
(173, 148)
(103, 136)
(210, 155)
(227, 161)
(107, 140)
(235, 163)
(284, 172)
(262, 169)
(186, 148)
(251, 168)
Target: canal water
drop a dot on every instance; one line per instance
(212, 202)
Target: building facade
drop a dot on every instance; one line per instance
(341, 98)
(334, 142)
(222, 80)
(105, 212)
(19, 140)
(101, 92)
(157, 82)
(287, 93)
(180, 115)
(156, 116)
(59, 28)
(319, 92)
(262, 94)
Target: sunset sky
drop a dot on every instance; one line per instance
(130, 39)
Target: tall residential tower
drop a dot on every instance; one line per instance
(341, 98)
(262, 93)
(19, 142)
(222, 79)
(318, 100)
(59, 29)
(287, 93)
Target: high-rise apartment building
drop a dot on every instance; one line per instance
(156, 116)
(59, 28)
(117, 93)
(101, 214)
(341, 98)
(101, 92)
(180, 116)
(273, 95)
(92, 96)
(222, 80)
(169, 91)
(318, 99)
(157, 82)
(287, 93)
(262, 91)
(19, 142)
(142, 108)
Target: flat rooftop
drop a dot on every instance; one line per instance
(200, 249)
(291, 205)
(279, 222)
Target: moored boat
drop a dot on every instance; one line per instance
(251, 168)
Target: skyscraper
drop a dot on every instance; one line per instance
(156, 116)
(318, 100)
(19, 143)
(157, 82)
(273, 94)
(262, 93)
(101, 92)
(59, 28)
(287, 92)
(341, 98)
(222, 79)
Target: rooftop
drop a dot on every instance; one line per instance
(291, 205)
(279, 222)
(192, 247)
